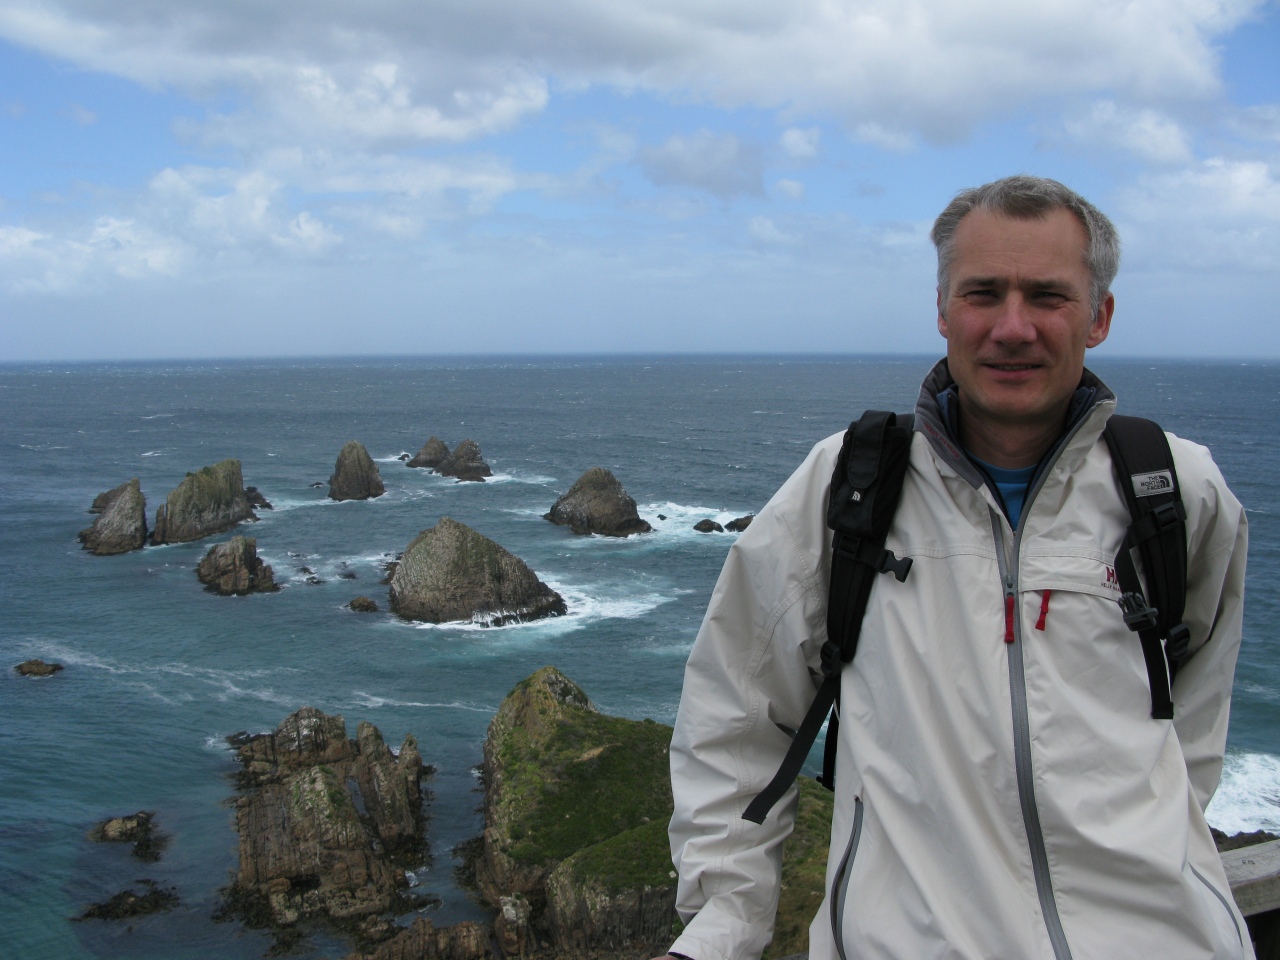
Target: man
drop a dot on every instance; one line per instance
(1002, 790)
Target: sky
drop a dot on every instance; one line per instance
(224, 178)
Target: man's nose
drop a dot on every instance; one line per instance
(1014, 322)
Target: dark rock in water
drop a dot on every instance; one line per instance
(403, 457)
(37, 668)
(363, 605)
(1236, 841)
(355, 475)
(326, 824)
(389, 567)
(597, 503)
(662, 516)
(233, 569)
(133, 903)
(256, 499)
(423, 940)
(314, 581)
(576, 808)
(708, 526)
(348, 575)
(121, 524)
(465, 463)
(208, 501)
(432, 454)
(317, 486)
(450, 572)
(137, 829)
(740, 524)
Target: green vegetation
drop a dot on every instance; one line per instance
(631, 860)
(804, 865)
(590, 778)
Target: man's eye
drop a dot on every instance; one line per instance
(980, 295)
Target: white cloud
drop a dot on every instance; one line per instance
(1145, 133)
(792, 189)
(801, 144)
(1220, 215)
(82, 115)
(391, 73)
(716, 162)
(766, 231)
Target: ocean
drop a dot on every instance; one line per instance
(158, 672)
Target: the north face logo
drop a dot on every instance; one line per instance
(1150, 484)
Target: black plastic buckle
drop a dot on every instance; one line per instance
(1169, 515)
(831, 659)
(891, 564)
(1138, 614)
(1178, 641)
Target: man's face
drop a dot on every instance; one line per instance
(1017, 320)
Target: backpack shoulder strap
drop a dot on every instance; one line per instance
(1149, 483)
(865, 488)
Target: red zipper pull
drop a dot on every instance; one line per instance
(1044, 609)
(1008, 617)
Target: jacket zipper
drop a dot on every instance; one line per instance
(840, 882)
(1222, 900)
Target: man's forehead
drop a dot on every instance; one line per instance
(1057, 239)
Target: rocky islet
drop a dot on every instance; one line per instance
(597, 503)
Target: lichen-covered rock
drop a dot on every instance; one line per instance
(256, 499)
(740, 524)
(37, 668)
(562, 779)
(433, 453)
(708, 526)
(137, 829)
(597, 503)
(465, 463)
(306, 850)
(121, 524)
(355, 475)
(450, 572)
(425, 941)
(234, 568)
(208, 501)
(133, 903)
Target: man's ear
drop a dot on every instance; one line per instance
(942, 317)
(1101, 325)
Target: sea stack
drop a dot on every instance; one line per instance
(597, 503)
(208, 501)
(450, 572)
(355, 475)
(121, 524)
(432, 454)
(465, 463)
(234, 568)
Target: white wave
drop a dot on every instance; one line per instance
(285, 504)
(157, 416)
(1248, 796)
(152, 453)
(395, 458)
(369, 701)
(586, 605)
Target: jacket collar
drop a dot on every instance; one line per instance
(937, 414)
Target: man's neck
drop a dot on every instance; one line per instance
(1010, 446)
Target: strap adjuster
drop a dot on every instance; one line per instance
(1178, 642)
(831, 659)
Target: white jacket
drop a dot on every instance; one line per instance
(994, 800)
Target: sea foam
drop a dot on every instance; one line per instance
(1248, 796)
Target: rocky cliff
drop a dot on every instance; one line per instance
(234, 568)
(121, 524)
(326, 824)
(208, 501)
(450, 572)
(465, 463)
(432, 454)
(355, 475)
(597, 503)
(576, 806)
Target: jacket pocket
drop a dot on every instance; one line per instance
(840, 882)
(1220, 908)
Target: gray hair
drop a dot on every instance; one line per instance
(1022, 197)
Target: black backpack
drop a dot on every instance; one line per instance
(865, 488)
